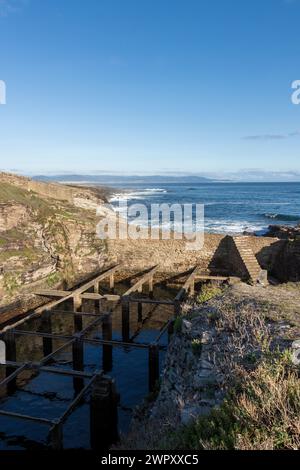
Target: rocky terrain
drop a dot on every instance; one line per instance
(284, 232)
(216, 342)
(47, 238)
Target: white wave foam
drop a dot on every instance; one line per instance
(229, 226)
(126, 196)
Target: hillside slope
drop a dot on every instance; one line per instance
(45, 240)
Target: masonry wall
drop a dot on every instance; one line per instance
(172, 255)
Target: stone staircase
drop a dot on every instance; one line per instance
(256, 274)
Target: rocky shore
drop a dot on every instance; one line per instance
(284, 232)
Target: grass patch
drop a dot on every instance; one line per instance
(262, 411)
(10, 283)
(208, 292)
(53, 279)
(3, 241)
(178, 325)
(11, 193)
(28, 253)
(196, 347)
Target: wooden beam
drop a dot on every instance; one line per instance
(11, 414)
(207, 277)
(151, 301)
(138, 286)
(77, 291)
(188, 285)
(85, 295)
(14, 375)
(52, 293)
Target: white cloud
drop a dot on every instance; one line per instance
(11, 6)
(272, 136)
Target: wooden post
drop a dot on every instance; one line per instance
(112, 283)
(77, 306)
(11, 355)
(153, 366)
(125, 319)
(78, 364)
(192, 287)
(177, 308)
(151, 287)
(46, 327)
(56, 437)
(103, 414)
(107, 349)
(170, 330)
(140, 312)
(98, 306)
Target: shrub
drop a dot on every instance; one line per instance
(261, 412)
(53, 279)
(208, 292)
(178, 325)
(196, 347)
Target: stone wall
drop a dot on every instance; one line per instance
(286, 266)
(171, 255)
(218, 252)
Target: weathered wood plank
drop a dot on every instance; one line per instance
(77, 291)
(52, 293)
(139, 284)
(211, 278)
(188, 285)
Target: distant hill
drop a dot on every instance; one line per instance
(119, 179)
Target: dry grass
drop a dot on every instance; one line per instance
(262, 412)
(262, 408)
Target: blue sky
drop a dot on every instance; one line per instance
(194, 86)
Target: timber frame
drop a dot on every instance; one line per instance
(101, 387)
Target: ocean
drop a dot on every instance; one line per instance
(230, 208)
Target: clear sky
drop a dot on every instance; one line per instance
(149, 85)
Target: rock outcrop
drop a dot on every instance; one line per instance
(45, 240)
(284, 232)
(212, 342)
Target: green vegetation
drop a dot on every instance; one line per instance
(196, 347)
(208, 292)
(10, 282)
(262, 411)
(178, 325)
(53, 279)
(28, 253)
(11, 193)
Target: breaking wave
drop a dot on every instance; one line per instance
(283, 217)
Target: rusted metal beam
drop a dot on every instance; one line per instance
(21, 416)
(166, 327)
(37, 367)
(85, 340)
(77, 399)
(13, 375)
